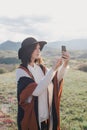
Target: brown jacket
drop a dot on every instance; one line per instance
(26, 86)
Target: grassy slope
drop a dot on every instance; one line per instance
(8, 101)
(73, 101)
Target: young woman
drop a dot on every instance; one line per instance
(38, 89)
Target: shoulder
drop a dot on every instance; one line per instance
(21, 73)
(23, 83)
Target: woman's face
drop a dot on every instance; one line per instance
(36, 53)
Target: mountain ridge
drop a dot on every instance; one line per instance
(10, 45)
(74, 44)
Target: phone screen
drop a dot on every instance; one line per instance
(63, 48)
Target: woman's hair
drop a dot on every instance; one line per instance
(24, 54)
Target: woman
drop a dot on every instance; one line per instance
(38, 89)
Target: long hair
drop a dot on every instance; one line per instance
(25, 53)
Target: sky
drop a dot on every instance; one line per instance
(50, 20)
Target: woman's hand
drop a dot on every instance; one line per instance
(65, 57)
(57, 64)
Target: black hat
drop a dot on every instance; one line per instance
(32, 41)
(28, 43)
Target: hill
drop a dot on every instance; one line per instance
(8, 52)
(75, 44)
(10, 45)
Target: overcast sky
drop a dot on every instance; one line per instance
(49, 20)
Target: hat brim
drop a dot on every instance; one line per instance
(41, 43)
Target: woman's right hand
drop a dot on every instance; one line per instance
(57, 64)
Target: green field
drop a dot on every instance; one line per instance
(73, 102)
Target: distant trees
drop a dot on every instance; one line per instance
(9, 60)
(83, 68)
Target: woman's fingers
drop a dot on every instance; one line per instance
(65, 55)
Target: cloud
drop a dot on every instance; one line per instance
(32, 25)
(24, 20)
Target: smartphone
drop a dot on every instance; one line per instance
(63, 48)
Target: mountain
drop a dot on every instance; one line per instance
(10, 45)
(76, 44)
